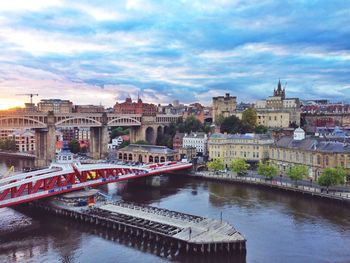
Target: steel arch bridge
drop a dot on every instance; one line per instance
(58, 179)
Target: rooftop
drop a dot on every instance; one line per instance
(149, 148)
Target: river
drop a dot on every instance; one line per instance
(279, 226)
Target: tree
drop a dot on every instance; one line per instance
(216, 164)
(219, 119)
(8, 144)
(142, 142)
(74, 146)
(267, 169)
(298, 172)
(124, 144)
(119, 131)
(239, 166)
(332, 176)
(249, 118)
(260, 129)
(231, 125)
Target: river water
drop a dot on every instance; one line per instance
(279, 226)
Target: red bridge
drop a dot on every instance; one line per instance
(61, 178)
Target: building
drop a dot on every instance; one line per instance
(147, 153)
(177, 140)
(89, 108)
(198, 140)
(139, 107)
(316, 153)
(25, 140)
(116, 142)
(251, 147)
(224, 105)
(4, 134)
(187, 153)
(55, 105)
(277, 111)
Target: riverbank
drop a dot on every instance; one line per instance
(17, 154)
(275, 184)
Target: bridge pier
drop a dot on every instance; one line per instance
(99, 142)
(45, 140)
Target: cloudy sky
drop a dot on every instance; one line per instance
(102, 51)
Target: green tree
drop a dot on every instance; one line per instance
(249, 118)
(124, 144)
(260, 129)
(332, 176)
(298, 172)
(143, 142)
(231, 125)
(119, 131)
(8, 144)
(216, 164)
(239, 166)
(74, 146)
(267, 169)
(219, 119)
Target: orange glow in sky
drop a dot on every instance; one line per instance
(8, 103)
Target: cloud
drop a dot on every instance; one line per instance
(166, 50)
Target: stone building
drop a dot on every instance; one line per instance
(89, 108)
(277, 111)
(178, 140)
(198, 140)
(139, 107)
(313, 152)
(25, 140)
(55, 105)
(147, 154)
(224, 105)
(251, 147)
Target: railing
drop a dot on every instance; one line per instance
(312, 189)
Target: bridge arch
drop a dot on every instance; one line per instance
(124, 121)
(78, 121)
(21, 122)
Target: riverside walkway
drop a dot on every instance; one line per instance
(313, 190)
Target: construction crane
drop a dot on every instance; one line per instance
(30, 95)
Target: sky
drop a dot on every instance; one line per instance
(98, 52)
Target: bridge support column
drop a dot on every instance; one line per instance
(99, 142)
(45, 140)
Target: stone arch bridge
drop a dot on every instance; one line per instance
(45, 124)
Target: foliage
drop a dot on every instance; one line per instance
(332, 176)
(267, 169)
(231, 125)
(124, 144)
(260, 129)
(219, 119)
(8, 145)
(216, 164)
(143, 142)
(240, 166)
(83, 149)
(191, 124)
(119, 131)
(298, 172)
(74, 146)
(249, 118)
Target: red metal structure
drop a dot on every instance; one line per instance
(25, 187)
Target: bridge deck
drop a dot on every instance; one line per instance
(203, 230)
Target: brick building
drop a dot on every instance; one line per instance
(139, 107)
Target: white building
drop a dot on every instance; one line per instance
(197, 140)
(116, 142)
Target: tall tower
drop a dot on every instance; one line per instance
(279, 92)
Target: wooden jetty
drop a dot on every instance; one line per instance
(172, 232)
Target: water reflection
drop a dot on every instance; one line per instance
(279, 226)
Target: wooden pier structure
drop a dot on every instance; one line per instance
(168, 232)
